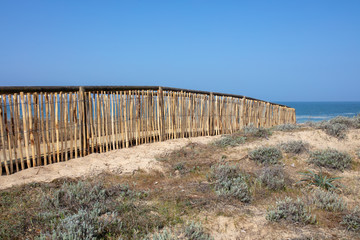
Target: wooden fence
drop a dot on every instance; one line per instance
(45, 125)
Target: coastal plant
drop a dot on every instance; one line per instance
(195, 231)
(320, 179)
(294, 147)
(90, 211)
(229, 181)
(348, 122)
(266, 155)
(256, 132)
(85, 224)
(230, 141)
(352, 220)
(273, 177)
(330, 158)
(164, 234)
(74, 196)
(290, 210)
(286, 127)
(328, 200)
(190, 231)
(337, 130)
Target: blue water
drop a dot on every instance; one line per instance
(318, 111)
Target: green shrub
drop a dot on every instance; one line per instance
(256, 132)
(286, 127)
(352, 220)
(294, 147)
(328, 200)
(266, 155)
(74, 196)
(273, 177)
(291, 211)
(191, 231)
(337, 130)
(348, 122)
(330, 158)
(230, 140)
(194, 231)
(320, 179)
(85, 224)
(179, 166)
(358, 153)
(230, 182)
(165, 234)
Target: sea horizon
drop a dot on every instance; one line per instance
(316, 111)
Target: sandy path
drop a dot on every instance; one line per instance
(121, 161)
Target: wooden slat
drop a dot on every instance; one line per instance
(18, 129)
(2, 132)
(12, 132)
(43, 128)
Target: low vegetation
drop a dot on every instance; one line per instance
(352, 220)
(290, 210)
(273, 177)
(328, 200)
(338, 126)
(286, 127)
(294, 147)
(320, 179)
(257, 132)
(330, 158)
(191, 231)
(230, 141)
(266, 155)
(230, 181)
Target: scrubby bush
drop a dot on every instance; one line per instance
(165, 234)
(320, 179)
(328, 200)
(256, 132)
(191, 231)
(330, 158)
(90, 211)
(266, 155)
(85, 224)
(230, 140)
(348, 122)
(338, 126)
(337, 130)
(273, 177)
(230, 182)
(195, 231)
(352, 220)
(290, 210)
(286, 127)
(358, 153)
(294, 147)
(74, 196)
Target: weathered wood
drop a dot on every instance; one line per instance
(18, 129)
(2, 132)
(59, 126)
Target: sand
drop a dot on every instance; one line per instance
(128, 160)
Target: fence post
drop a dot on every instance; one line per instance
(211, 114)
(83, 113)
(161, 114)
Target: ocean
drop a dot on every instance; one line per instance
(318, 111)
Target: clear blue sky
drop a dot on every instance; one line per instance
(290, 50)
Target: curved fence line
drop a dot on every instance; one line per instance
(41, 125)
